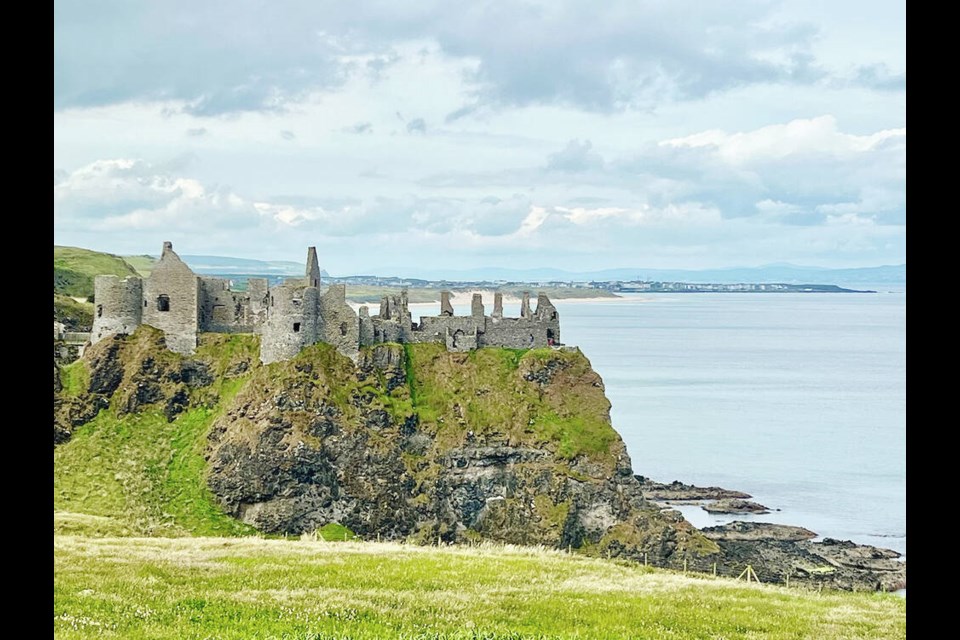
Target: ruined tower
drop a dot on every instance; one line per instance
(171, 300)
(118, 306)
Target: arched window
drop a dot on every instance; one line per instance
(163, 302)
(343, 328)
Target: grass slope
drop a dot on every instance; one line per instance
(143, 263)
(301, 589)
(75, 316)
(75, 268)
(139, 474)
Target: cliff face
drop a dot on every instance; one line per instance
(417, 442)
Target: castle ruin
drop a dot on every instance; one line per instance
(297, 313)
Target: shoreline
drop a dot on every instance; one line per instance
(464, 298)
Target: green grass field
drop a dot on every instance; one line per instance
(254, 588)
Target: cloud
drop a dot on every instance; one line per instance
(123, 196)
(230, 57)
(359, 128)
(130, 204)
(288, 135)
(225, 57)
(878, 76)
(417, 125)
(197, 132)
(795, 173)
(575, 157)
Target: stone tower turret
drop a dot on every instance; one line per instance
(313, 268)
(118, 306)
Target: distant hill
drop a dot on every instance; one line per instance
(75, 268)
(785, 273)
(225, 266)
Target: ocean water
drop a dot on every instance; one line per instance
(797, 399)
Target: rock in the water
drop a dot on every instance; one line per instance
(735, 505)
(757, 531)
(679, 491)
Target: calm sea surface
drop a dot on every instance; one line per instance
(797, 399)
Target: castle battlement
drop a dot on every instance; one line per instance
(295, 314)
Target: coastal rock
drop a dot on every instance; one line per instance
(735, 505)
(758, 531)
(678, 491)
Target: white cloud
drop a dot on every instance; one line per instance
(814, 136)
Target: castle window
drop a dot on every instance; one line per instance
(163, 302)
(343, 328)
(99, 310)
(296, 327)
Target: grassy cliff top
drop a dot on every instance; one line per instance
(74, 269)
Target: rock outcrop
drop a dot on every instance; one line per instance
(418, 443)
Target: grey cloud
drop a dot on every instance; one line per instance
(221, 57)
(232, 56)
(197, 133)
(879, 76)
(575, 157)
(287, 135)
(359, 127)
(462, 112)
(417, 125)
(379, 64)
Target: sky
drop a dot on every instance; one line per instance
(406, 138)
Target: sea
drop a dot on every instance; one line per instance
(798, 399)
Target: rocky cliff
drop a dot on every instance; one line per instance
(411, 442)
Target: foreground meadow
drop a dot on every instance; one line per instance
(312, 589)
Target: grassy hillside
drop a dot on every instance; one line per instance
(143, 263)
(138, 473)
(76, 316)
(75, 268)
(305, 589)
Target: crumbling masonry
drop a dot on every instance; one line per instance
(296, 313)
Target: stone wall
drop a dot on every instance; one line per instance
(171, 301)
(338, 324)
(366, 327)
(226, 311)
(393, 323)
(118, 306)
